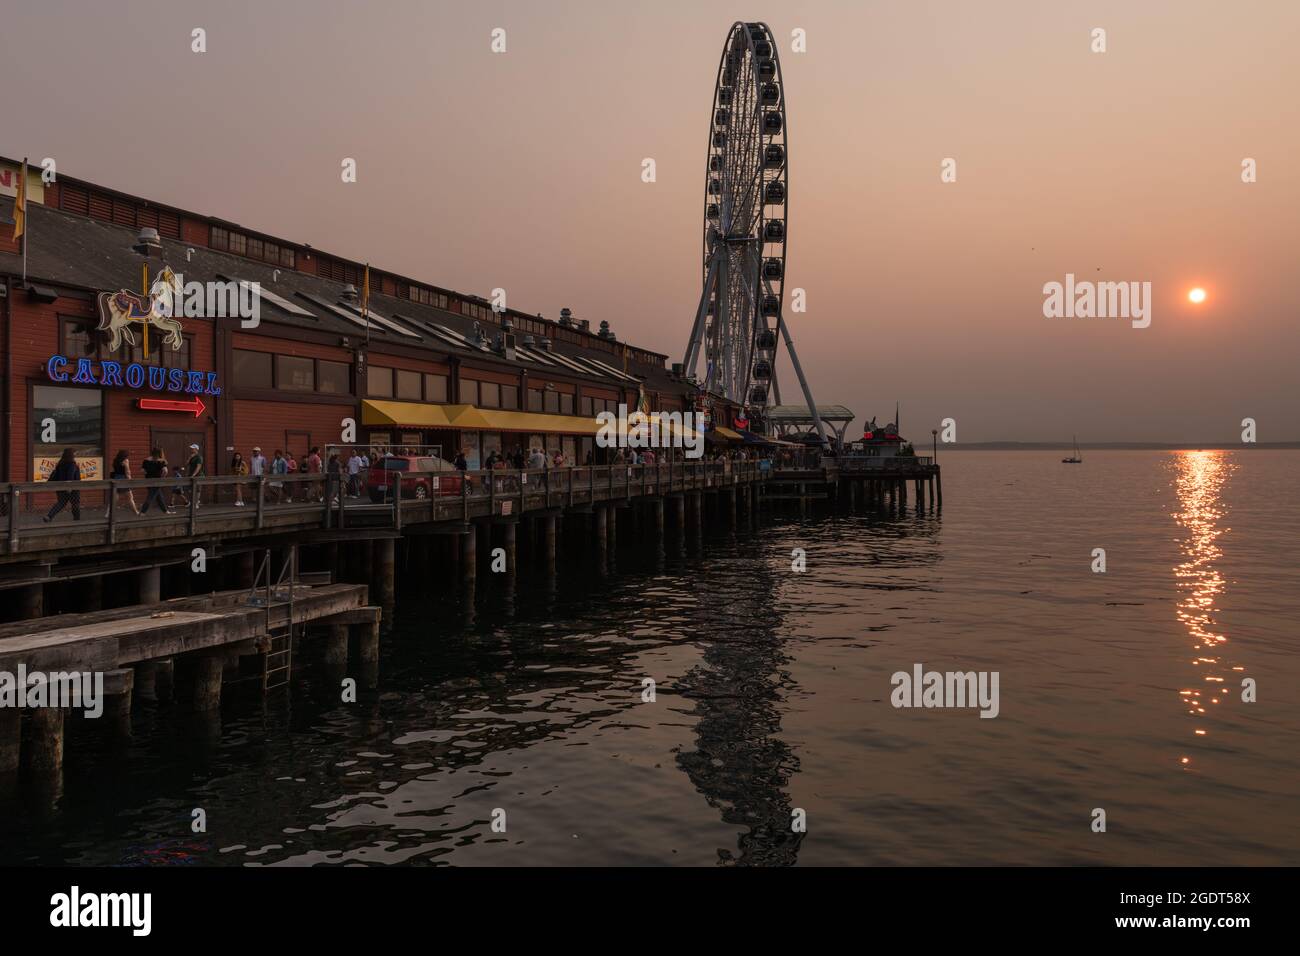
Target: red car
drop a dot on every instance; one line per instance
(423, 476)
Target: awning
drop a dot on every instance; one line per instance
(407, 414)
(726, 433)
(500, 420)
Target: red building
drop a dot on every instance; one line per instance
(423, 366)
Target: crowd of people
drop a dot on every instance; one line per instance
(344, 471)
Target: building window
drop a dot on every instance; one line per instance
(238, 243)
(534, 399)
(159, 354)
(252, 369)
(78, 414)
(77, 338)
(333, 378)
(408, 385)
(509, 396)
(469, 391)
(435, 388)
(295, 374)
(566, 404)
(220, 239)
(379, 381)
(587, 408)
(552, 402)
(489, 395)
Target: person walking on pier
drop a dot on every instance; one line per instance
(314, 466)
(122, 472)
(194, 468)
(279, 466)
(154, 467)
(239, 468)
(66, 470)
(354, 474)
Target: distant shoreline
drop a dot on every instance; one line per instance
(1112, 446)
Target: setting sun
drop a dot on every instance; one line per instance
(1196, 296)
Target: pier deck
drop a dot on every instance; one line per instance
(121, 637)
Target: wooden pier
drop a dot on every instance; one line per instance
(189, 648)
(880, 483)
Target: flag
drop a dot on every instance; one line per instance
(20, 203)
(642, 402)
(365, 300)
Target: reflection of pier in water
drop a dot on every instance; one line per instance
(1200, 479)
(740, 764)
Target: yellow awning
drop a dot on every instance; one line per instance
(727, 433)
(507, 421)
(408, 414)
(422, 415)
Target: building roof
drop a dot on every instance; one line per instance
(798, 414)
(72, 250)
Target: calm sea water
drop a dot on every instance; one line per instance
(1119, 691)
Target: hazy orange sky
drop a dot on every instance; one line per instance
(522, 171)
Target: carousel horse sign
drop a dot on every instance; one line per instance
(118, 312)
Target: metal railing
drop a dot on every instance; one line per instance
(896, 463)
(45, 515)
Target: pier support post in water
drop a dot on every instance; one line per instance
(510, 541)
(10, 738)
(31, 601)
(657, 505)
(938, 488)
(118, 690)
(149, 585)
(611, 523)
(601, 535)
(367, 638)
(334, 648)
(548, 533)
(469, 554)
(199, 680)
(44, 739)
(384, 565)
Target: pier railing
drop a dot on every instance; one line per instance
(97, 513)
(906, 464)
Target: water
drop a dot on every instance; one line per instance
(1119, 691)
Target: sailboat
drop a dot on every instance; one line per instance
(1074, 459)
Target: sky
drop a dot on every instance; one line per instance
(522, 171)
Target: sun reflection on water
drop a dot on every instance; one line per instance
(1200, 479)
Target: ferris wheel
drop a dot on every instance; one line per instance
(739, 323)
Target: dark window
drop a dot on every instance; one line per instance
(255, 250)
(333, 377)
(220, 239)
(408, 385)
(252, 369)
(469, 391)
(489, 395)
(509, 396)
(552, 402)
(566, 404)
(288, 258)
(77, 338)
(587, 408)
(379, 381)
(159, 354)
(435, 388)
(295, 374)
(534, 399)
(238, 243)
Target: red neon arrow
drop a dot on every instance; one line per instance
(195, 405)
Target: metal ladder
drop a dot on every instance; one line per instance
(277, 659)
